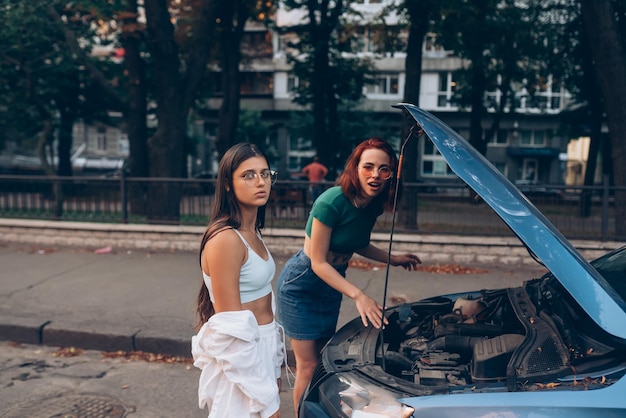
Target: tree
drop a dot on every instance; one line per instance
(329, 76)
(419, 14)
(499, 42)
(232, 18)
(44, 86)
(466, 28)
(131, 39)
(609, 56)
(570, 60)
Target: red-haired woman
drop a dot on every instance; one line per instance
(312, 282)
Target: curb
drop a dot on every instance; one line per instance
(46, 334)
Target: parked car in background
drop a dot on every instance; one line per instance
(553, 347)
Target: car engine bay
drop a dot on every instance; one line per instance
(520, 337)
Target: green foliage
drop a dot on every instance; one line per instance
(251, 127)
(40, 74)
(509, 42)
(348, 73)
(354, 127)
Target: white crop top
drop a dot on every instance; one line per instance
(255, 278)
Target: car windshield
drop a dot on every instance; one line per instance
(612, 267)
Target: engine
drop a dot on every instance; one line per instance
(467, 341)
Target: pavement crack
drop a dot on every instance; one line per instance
(46, 279)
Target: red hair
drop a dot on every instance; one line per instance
(349, 179)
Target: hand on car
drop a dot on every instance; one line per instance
(370, 311)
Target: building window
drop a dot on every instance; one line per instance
(252, 83)
(529, 170)
(433, 164)
(447, 86)
(257, 83)
(501, 167)
(123, 145)
(363, 40)
(101, 139)
(385, 84)
(430, 43)
(544, 94)
(532, 138)
(257, 44)
(292, 83)
(500, 138)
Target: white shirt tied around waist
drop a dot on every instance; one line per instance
(233, 382)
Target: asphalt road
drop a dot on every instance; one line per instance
(39, 382)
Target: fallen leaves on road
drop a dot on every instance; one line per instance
(68, 352)
(550, 385)
(451, 269)
(34, 249)
(149, 357)
(435, 268)
(128, 355)
(365, 265)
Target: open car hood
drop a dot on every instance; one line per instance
(581, 280)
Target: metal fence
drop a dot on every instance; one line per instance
(440, 209)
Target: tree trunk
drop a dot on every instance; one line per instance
(64, 146)
(230, 52)
(323, 21)
(166, 146)
(43, 145)
(609, 58)
(135, 114)
(476, 114)
(176, 85)
(321, 86)
(419, 12)
(596, 114)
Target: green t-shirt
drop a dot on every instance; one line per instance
(351, 226)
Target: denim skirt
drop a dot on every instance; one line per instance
(308, 308)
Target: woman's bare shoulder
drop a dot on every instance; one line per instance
(223, 238)
(224, 247)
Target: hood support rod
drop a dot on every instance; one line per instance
(415, 130)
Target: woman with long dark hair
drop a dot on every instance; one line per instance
(238, 345)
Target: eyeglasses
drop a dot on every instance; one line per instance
(384, 172)
(251, 178)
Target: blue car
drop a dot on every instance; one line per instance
(554, 347)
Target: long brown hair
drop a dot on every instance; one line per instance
(226, 212)
(349, 179)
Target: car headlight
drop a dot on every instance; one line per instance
(348, 395)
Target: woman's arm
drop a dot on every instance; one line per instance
(369, 310)
(407, 261)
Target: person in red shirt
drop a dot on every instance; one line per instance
(315, 172)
